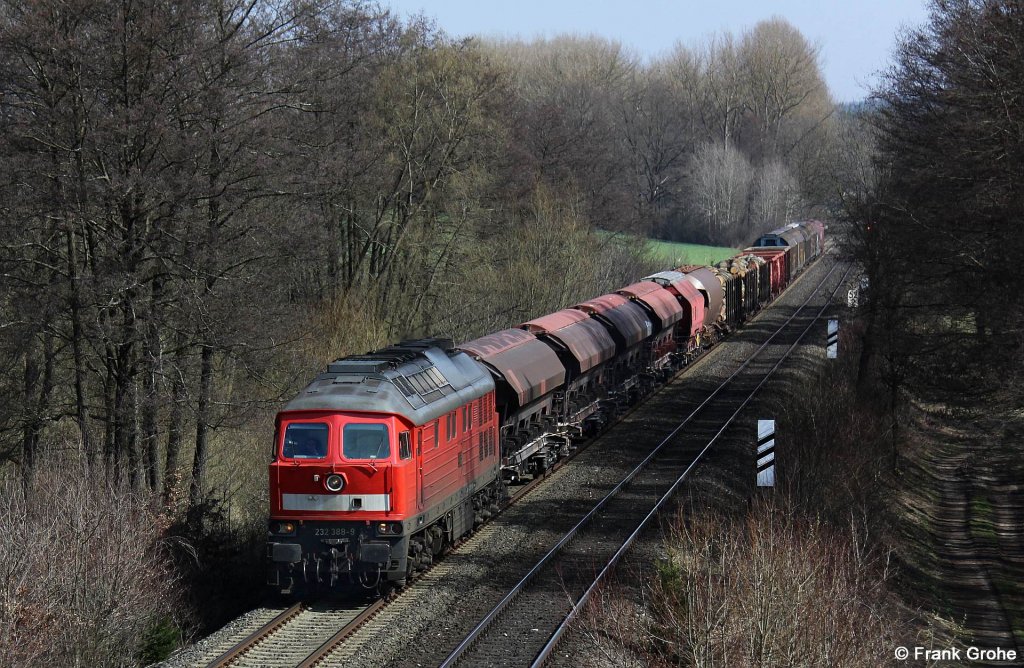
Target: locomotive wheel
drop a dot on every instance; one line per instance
(439, 540)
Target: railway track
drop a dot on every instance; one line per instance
(302, 635)
(307, 635)
(526, 625)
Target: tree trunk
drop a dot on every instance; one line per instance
(37, 400)
(153, 356)
(174, 427)
(29, 436)
(197, 488)
(77, 337)
(110, 455)
(867, 351)
(126, 442)
(135, 457)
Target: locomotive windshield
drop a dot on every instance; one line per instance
(366, 441)
(305, 441)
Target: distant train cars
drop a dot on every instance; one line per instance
(386, 459)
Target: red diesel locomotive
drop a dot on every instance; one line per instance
(379, 464)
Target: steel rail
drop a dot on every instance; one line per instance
(328, 645)
(483, 625)
(549, 647)
(256, 636)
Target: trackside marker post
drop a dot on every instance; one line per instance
(832, 346)
(766, 453)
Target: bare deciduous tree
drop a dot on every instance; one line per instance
(781, 78)
(719, 189)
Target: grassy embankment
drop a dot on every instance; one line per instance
(676, 254)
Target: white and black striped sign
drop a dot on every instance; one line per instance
(766, 453)
(832, 346)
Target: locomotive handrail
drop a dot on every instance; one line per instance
(454, 656)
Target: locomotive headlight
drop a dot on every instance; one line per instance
(334, 482)
(389, 528)
(283, 527)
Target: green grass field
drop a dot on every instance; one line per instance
(676, 254)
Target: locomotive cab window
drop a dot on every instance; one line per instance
(305, 441)
(404, 446)
(365, 441)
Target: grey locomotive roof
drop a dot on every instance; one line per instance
(790, 235)
(419, 380)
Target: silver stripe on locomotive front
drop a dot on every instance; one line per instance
(336, 502)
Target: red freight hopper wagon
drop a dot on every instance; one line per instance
(664, 311)
(372, 463)
(694, 303)
(629, 326)
(583, 346)
(581, 343)
(527, 373)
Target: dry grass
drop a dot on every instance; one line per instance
(762, 588)
(84, 570)
(768, 589)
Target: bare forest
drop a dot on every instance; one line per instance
(201, 203)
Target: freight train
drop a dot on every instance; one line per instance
(386, 459)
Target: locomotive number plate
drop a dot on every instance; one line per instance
(334, 531)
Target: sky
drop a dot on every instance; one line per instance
(857, 37)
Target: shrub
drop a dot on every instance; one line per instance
(84, 572)
(769, 589)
